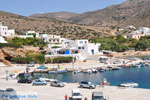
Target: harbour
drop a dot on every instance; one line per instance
(116, 77)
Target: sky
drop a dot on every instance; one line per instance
(29, 7)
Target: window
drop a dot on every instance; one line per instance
(85, 42)
(81, 42)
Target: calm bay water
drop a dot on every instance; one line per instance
(138, 75)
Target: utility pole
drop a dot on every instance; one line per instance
(6, 74)
(72, 61)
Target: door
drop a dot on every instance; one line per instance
(92, 51)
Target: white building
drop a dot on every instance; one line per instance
(142, 31)
(82, 49)
(31, 34)
(2, 40)
(5, 32)
(52, 39)
(135, 36)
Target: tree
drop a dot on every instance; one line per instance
(121, 39)
(142, 45)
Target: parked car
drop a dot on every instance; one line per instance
(31, 64)
(116, 62)
(57, 84)
(25, 81)
(97, 96)
(87, 85)
(76, 94)
(39, 82)
(8, 94)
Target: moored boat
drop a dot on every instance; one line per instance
(131, 84)
(57, 71)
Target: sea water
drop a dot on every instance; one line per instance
(138, 75)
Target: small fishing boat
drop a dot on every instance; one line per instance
(46, 79)
(100, 69)
(116, 68)
(94, 71)
(130, 84)
(87, 71)
(77, 71)
(59, 70)
(104, 82)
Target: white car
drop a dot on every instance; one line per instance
(76, 94)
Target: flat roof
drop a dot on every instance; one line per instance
(97, 93)
(76, 90)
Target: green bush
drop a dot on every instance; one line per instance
(28, 41)
(14, 45)
(21, 60)
(39, 58)
(62, 60)
(55, 47)
(48, 61)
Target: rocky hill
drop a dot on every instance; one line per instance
(23, 24)
(131, 12)
(62, 16)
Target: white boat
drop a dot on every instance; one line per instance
(57, 71)
(77, 71)
(47, 79)
(94, 70)
(132, 85)
(89, 71)
(104, 82)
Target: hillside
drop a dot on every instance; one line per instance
(68, 30)
(131, 12)
(63, 16)
(134, 12)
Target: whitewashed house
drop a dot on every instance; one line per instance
(52, 39)
(2, 40)
(142, 31)
(82, 49)
(31, 33)
(5, 32)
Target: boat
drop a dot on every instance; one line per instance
(147, 63)
(94, 71)
(77, 71)
(57, 71)
(116, 68)
(129, 84)
(46, 79)
(104, 82)
(87, 71)
(100, 69)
